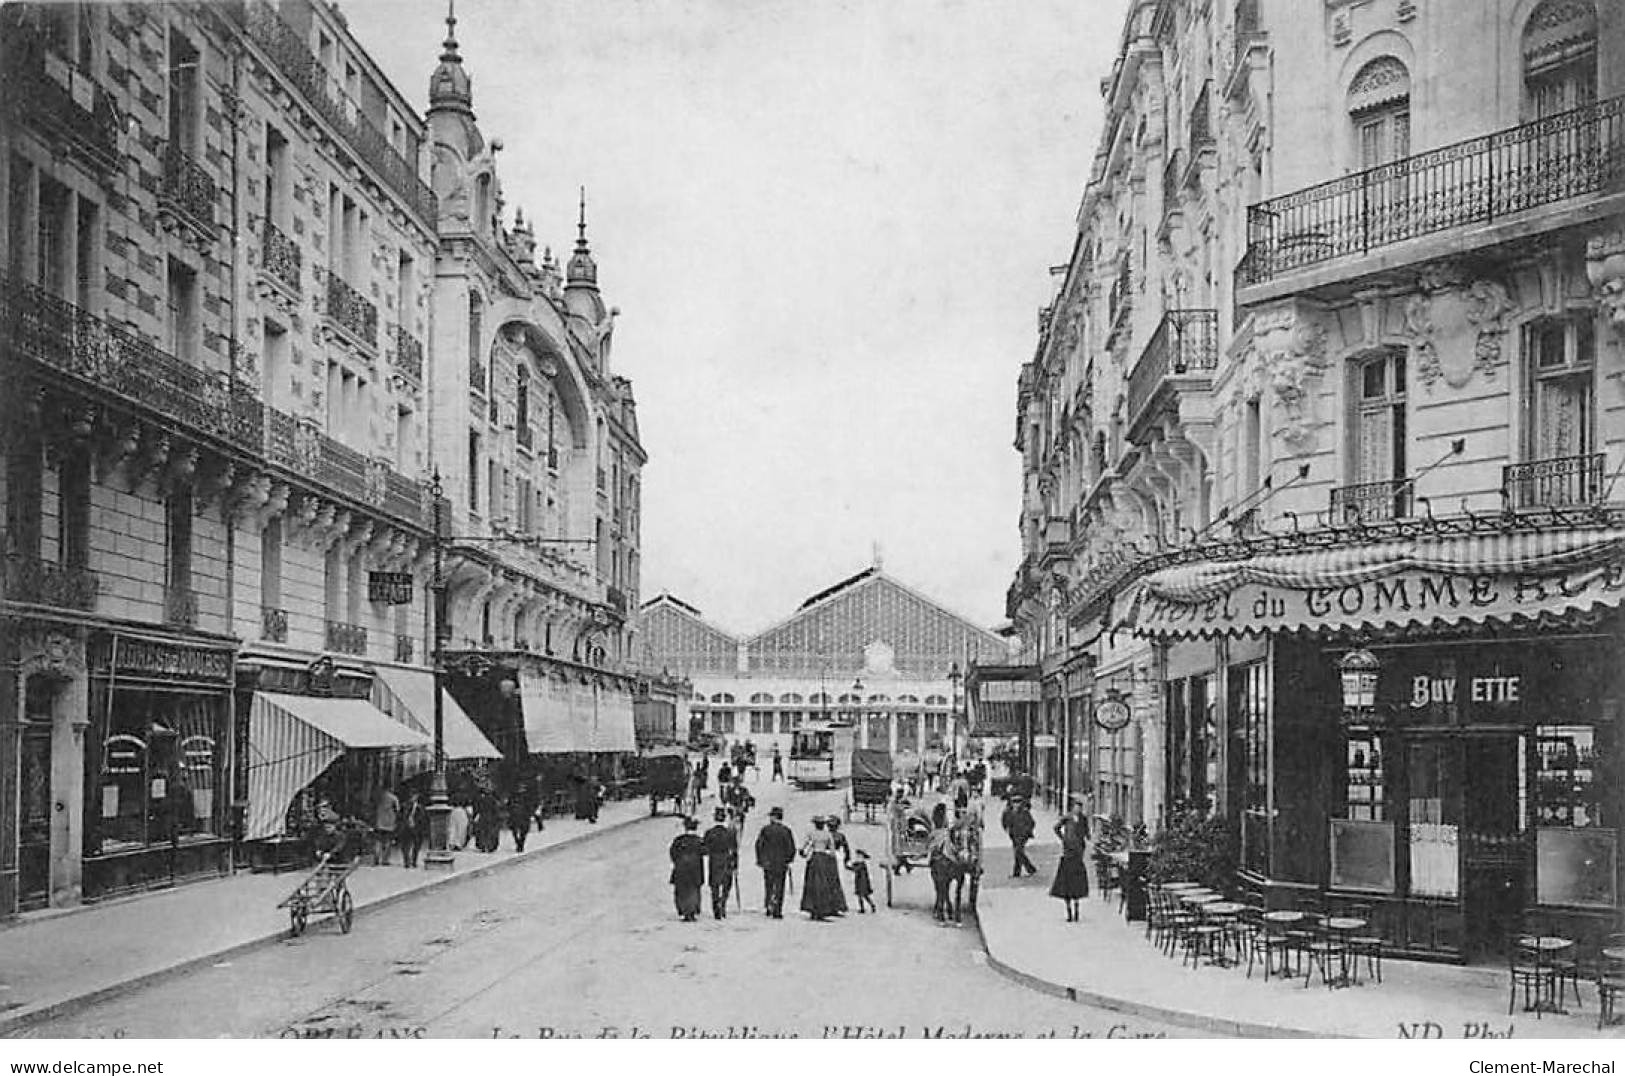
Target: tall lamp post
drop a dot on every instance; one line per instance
(439, 852)
(955, 678)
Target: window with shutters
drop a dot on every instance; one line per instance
(1563, 464)
(1377, 436)
(1560, 57)
(1379, 106)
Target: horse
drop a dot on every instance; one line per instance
(954, 861)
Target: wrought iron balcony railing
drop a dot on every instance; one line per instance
(281, 258)
(1186, 344)
(1570, 155)
(1372, 502)
(1565, 480)
(57, 98)
(180, 606)
(273, 624)
(43, 582)
(408, 354)
(403, 649)
(352, 311)
(290, 55)
(346, 638)
(38, 327)
(188, 190)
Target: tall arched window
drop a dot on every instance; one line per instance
(476, 318)
(1560, 57)
(521, 404)
(1380, 109)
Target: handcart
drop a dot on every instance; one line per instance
(325, 891)
(871, 782)
(908, 841)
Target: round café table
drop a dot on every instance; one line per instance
(1546, 946)
(1223, 913)
(1341, 927)
(1285, 918)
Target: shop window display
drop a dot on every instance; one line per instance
(1576, 842)
(156, 772)
(1362, 840)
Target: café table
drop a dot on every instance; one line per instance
(1545, 947)
(1285, 918)
(1222, 913)
(1341, 928)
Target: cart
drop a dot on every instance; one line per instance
(325, 891)
(665, 777)
(871, 782)
(908, 841)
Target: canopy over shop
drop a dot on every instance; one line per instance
(1467, 773)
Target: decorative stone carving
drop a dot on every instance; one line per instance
(1457, 329)
(1292, 346)
(57, 653)
(1605, 268)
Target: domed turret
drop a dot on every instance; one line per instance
(450, 87)
(581, 276)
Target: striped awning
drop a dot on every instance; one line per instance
(566, 711)
(407, 695)
(1465, 579)
(293, 738)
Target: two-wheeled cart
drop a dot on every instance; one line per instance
(871, 782)
(325, 891)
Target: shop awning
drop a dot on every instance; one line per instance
(407, 695)
(293, 738)
(568, 711)
(1464, 579)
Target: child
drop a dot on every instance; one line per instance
(860, 880)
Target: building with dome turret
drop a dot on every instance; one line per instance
(540, 460)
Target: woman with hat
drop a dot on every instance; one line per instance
(821, 895)
(1072, 875)
(687, 870)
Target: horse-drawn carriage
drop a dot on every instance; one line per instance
(665, 777)
(871, 782)
(909, 835)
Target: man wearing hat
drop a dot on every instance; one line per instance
(722, 857)
(1018, 823)
(775, 851)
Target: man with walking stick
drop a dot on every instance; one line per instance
(775, 851)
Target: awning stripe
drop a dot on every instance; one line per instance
(407, 695)
(564, 715)
(285, 755)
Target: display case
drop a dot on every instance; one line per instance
(1566, 793)
(1365, 799)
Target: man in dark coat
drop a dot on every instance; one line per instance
(687, 870)
(521, 805)
(1018, 822)
(722, 856)
(775, 851)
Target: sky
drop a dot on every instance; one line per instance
(829, 226)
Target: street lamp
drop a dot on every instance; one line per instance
(1359, 669)
(439, 810)
(955, 678)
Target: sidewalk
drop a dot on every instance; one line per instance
(1105, 961)
(59, 961)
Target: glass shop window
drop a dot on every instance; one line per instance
(156, 775)
(1576, 835)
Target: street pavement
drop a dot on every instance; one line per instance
(584, 940)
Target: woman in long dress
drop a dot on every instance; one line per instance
(687, 870)
(821, 895)
(1072, 875)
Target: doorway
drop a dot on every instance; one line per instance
(1494, 852)
(34, 816)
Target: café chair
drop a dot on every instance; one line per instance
(1528, 970)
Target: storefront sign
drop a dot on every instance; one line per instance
(1010, 691)
(1430, 690)
(150, 657)
(1045, 741)
(389, 588)
(1113, 714)
(1398, 599)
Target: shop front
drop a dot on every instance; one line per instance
(1427, 728)
(157, 762)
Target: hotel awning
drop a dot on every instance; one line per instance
(293, 738)
(407, 695)
(569, 711)
(1463, 579)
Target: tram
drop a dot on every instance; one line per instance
(821, 754)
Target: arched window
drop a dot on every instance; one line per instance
(1560, 57)
(1379, 107)
(761, 698)
(521, 404)
(791, 699)
(476, 317)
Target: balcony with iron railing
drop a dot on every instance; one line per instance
(40, 87)
(352, 312)
(1373, 502)
(188, 192)
(108, 362)
(408, 360)
(1501, 177)
(281, 258)
(273, 624)
(1180, 357)
(1554, 483)
(42, 582)
(180, 606)
(345, 638)
(290, 55)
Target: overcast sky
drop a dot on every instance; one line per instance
(829, 228)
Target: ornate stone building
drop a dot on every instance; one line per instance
(220, 263)
(1342, 398)
(868, 650)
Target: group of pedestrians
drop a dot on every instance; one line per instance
(395, 822)
(715, 857)
(1071, 884)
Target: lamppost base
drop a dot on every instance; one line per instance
(439, 853)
